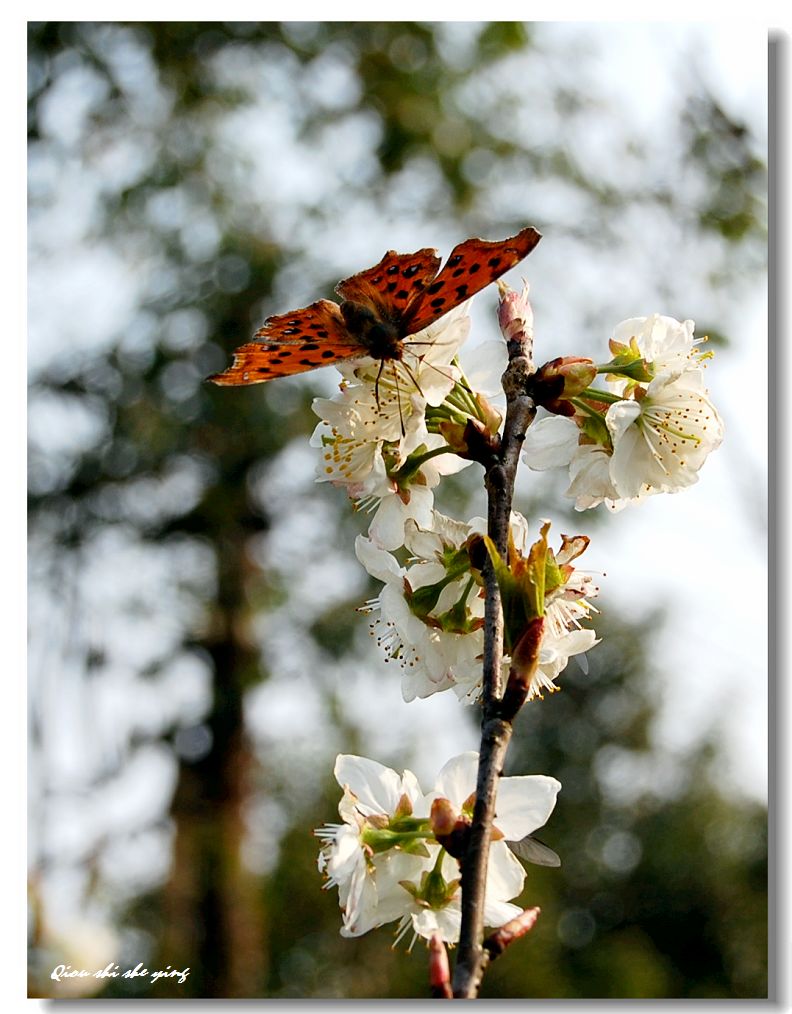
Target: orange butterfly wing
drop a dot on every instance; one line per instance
(292, 343)
(471, 266)
(403, 289)
(394, 284)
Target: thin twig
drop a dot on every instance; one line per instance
(495, 731)
(497, 942)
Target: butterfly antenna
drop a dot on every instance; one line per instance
(421, 359)
(409, 342)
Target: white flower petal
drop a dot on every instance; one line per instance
(387, 528)
(377, 561)
(591, 482)
(498, 913)
(550, 443)
(525, 803)
(445, 921)
(378, 789)
(457, 778)
(505, 873)
(484, 365)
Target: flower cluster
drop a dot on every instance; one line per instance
(386, 857)
(429, 616)
(650, 432)
(396, 427)
(389, 435)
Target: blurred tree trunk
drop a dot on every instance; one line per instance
(214, 913)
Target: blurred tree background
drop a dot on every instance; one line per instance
(196, 661)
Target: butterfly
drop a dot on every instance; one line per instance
(381, 309)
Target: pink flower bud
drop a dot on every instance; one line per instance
(561, 379)
(450, 827)
(444, 817)
(515, 315)
(576, 372)
(439, 969)
(497, 943)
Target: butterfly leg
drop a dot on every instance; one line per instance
(376, 383)
(398, 397)
(412, 377)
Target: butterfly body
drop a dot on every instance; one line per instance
(377, 332)
(381, 309)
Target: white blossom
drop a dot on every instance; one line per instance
(431, 658)
(654, 441)
(433, 652)
(665, 344)
(661, 440)
(503, 882)
(379, 882)
(523, 804)
(368, 884)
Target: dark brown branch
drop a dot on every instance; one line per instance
(495, 731)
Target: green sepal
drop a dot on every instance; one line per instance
(458, 620)
(628, 362)
(522, 583)
(414, 890)
(594, 427)
(406, 472)
(536, 572)
(416, 848)
(408, 824)
(403, 834)
(554, 575)
(434, 890)
(423, 600)
(403, 811)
